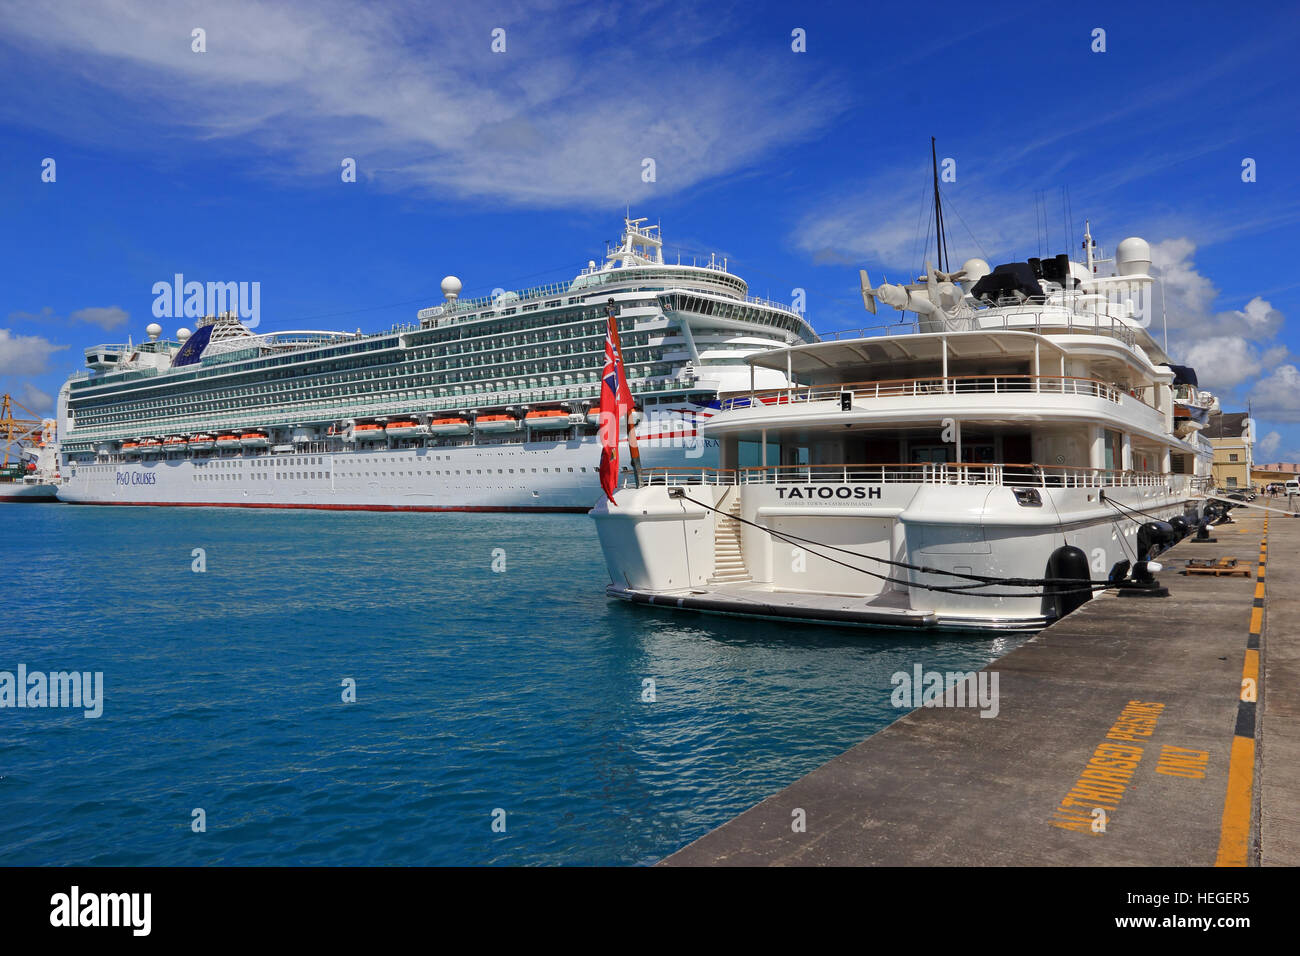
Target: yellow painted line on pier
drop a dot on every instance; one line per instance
(1234, 834)
(1250, 671)
(1238, 802)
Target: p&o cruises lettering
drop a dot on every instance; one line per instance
(827, 491)
(136, 478)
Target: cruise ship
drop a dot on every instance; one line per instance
(486, 404)
(1029, 444)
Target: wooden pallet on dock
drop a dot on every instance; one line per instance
(1220, 568)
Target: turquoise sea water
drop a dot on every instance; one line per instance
(477, 691)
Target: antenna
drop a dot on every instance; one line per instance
(1070, 218)
(940, 240)
(1065, 219)
(1038, 225)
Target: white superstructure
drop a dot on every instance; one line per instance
(1025, 432)
(482, 404)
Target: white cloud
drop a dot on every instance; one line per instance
(564, 117)
(107, 317)
(1190, 298)
(1223, 362)
(25, 354)
(881, 223)
(1277, 396)
(40, 402)
(45, 315)
(1187, 292)
(1267, 446)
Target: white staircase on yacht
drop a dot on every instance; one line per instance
(728, 560)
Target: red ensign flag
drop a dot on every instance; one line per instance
(615, 403)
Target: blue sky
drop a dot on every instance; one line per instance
(512, 168)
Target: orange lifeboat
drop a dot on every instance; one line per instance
(405, 428)
(454, 425)
(547, 419)
(496, 424)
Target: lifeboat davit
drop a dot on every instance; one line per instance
(255, 438)
(405, 428)
(227, 440)
(150, 446)
(593, 416)
(201, 441)
(368, 432)
(175, 441)
(449, 426)
(131, 447)
(547, 419)
(496, 424)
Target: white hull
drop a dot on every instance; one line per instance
(663, 551)
(559, 475)
(26, 491)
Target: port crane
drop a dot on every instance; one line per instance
(15, 433)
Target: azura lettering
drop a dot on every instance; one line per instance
(843, 492)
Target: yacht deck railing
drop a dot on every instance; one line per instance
(951, 385)
(1027, 475)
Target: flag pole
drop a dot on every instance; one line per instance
(624, 402)
(633, 448)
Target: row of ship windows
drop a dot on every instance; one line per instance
(699, 305)
(311, 475)
(588, 340)
(578, 326)
(405, 375)
(570, 373)
(288, 395)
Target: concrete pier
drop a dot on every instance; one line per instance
(1136, 731)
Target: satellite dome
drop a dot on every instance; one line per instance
(974, 269)
(153, 329)
(451, 287)
(1133, 257)
(183, 335)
